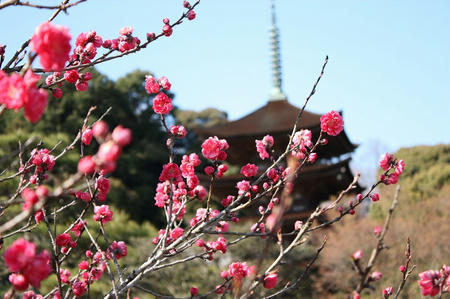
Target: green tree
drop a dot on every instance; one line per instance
(205, 118)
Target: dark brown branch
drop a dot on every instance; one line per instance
(63, 7)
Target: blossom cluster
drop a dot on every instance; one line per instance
(172, 236)
(387, 163)
(32, 197)
(332, 123)
(103, 214)
(85, 50)
(63, 240)
(213, 246)
(300, 143)
(214, 149)
(219, 245)
(178, 131)
(43, 161)
(86, 45)
(162, 104)
(249, 170)
(52, 44)
(237, 271)
(117, 249)
(109, 150)
(179, 183)
(203, 214)
(263, 146)
(17, 92)
(103, 162)
(432, 282)
(26, 267)
(91, 270)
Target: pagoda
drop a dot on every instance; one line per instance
(316, 182)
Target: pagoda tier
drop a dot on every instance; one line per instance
(315, 184)
(277, 119)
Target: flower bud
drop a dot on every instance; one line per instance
(86, 137)
(377, 230)
(270, 281)
(19, 281)
(86, 165)
(190, 15)
(200, 243)
(209, 170)
(57, 93)
(387, 292)
(376, 276)
(298, 225)
(357, 255)
(375, 197)
(122, 136)
(194, 291)
(100, 129)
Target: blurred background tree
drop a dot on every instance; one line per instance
(205, 118)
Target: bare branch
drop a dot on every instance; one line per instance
(289, 286)
(406, 272)
(364, 281)
(62, 6)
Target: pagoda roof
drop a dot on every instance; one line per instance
(274, 117)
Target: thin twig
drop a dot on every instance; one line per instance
(289, 286)
(407, 272)
(364, 281)
(63, 7)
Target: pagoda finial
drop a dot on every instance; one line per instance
(277, 93)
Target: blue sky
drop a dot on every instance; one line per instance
(389, 68)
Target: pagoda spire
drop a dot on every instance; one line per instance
(277, 92)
